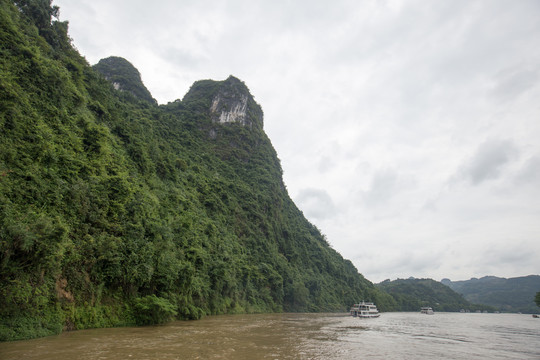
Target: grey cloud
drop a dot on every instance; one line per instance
(330, 152)
(315, 203)
(383, 186)
(182, 57)
(530, 172)
(511, 83)
(512, 254)
(399, 265)
(326, 163)
(387, 185)
(489, 160)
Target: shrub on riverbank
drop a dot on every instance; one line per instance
(151, 310)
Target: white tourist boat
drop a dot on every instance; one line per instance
(426, 310)
(365, 310)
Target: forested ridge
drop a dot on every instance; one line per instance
(412, 294)
(512, 295)
(115, 210)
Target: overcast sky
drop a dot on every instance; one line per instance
(408, 131)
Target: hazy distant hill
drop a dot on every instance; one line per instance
(513, 294)
(411, 294)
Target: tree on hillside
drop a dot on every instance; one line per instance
(537, 299)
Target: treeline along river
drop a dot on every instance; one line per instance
(300, 336)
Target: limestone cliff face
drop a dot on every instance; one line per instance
(232, 103)
(228, 108)
(227, 102)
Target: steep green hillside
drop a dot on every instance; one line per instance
(412, 294)
(114, 210)
(513, 294)
(124, 76)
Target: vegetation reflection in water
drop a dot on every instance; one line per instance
(300, 336)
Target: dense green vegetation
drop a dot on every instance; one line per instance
(411, 294)
(124, 76)
(510, 295)
(114, 210)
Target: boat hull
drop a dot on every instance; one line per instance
(364, 310)
(366, 316)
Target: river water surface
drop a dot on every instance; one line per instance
(299, 336)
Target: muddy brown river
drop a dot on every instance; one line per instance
(299, 336)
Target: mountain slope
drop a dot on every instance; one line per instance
(124, 76)
(114, 210)
(412, 294)
(513, 294)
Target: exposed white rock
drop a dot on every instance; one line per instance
(230, 110)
